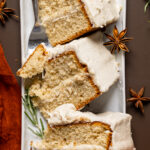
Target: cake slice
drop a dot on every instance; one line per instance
(76, 130)
(68, 136)
(34, 64)
(101, 64)
(77, 73)
(65, 20)
(66, 81)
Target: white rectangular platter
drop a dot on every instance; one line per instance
(113, 100)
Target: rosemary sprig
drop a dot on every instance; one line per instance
(146, 5)
(31, 114)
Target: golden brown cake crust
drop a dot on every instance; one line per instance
(89, 29)
(38, 47)
(96, 123)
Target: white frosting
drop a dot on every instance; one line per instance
(120, 124)
(102, 12)
(42, 146)
(91, 51)
(67, 114)
(83, 147)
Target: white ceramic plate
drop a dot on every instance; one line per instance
(113, 100)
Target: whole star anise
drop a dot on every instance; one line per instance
(117, 40)
(138, 99)
(5, 12)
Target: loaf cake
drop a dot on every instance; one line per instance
(65, 20)
(70, 74)
(74, 130)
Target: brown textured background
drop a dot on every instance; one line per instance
(137, 61)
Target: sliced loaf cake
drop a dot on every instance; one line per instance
(75, 130)
(65, 20)
(66, 81)
(75, 73)
(79, 136)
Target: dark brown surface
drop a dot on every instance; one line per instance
(138, 69)
(137, 61)
(10, 38)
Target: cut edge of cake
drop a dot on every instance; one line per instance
(45, 144)
(81, 10)
(27, 71)
(37, 101)
(89, 27)
(85, 68)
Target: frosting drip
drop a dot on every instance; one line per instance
(120, 124)
(102, 65)
(102, 12)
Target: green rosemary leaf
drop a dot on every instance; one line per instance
(31, 108)
(24, 102)
(31, 114)
(35, 114)
(32, 130)
(42, 124)
(40, 132)
(35, 132)
(29, 118)
(24, 105)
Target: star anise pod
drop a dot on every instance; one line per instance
(5, 12)
(138, 99)
(117, 40)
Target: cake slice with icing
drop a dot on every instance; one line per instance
(74, 136)
(75, 73)
(65, 20)
(75, 130)
(66, 81)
